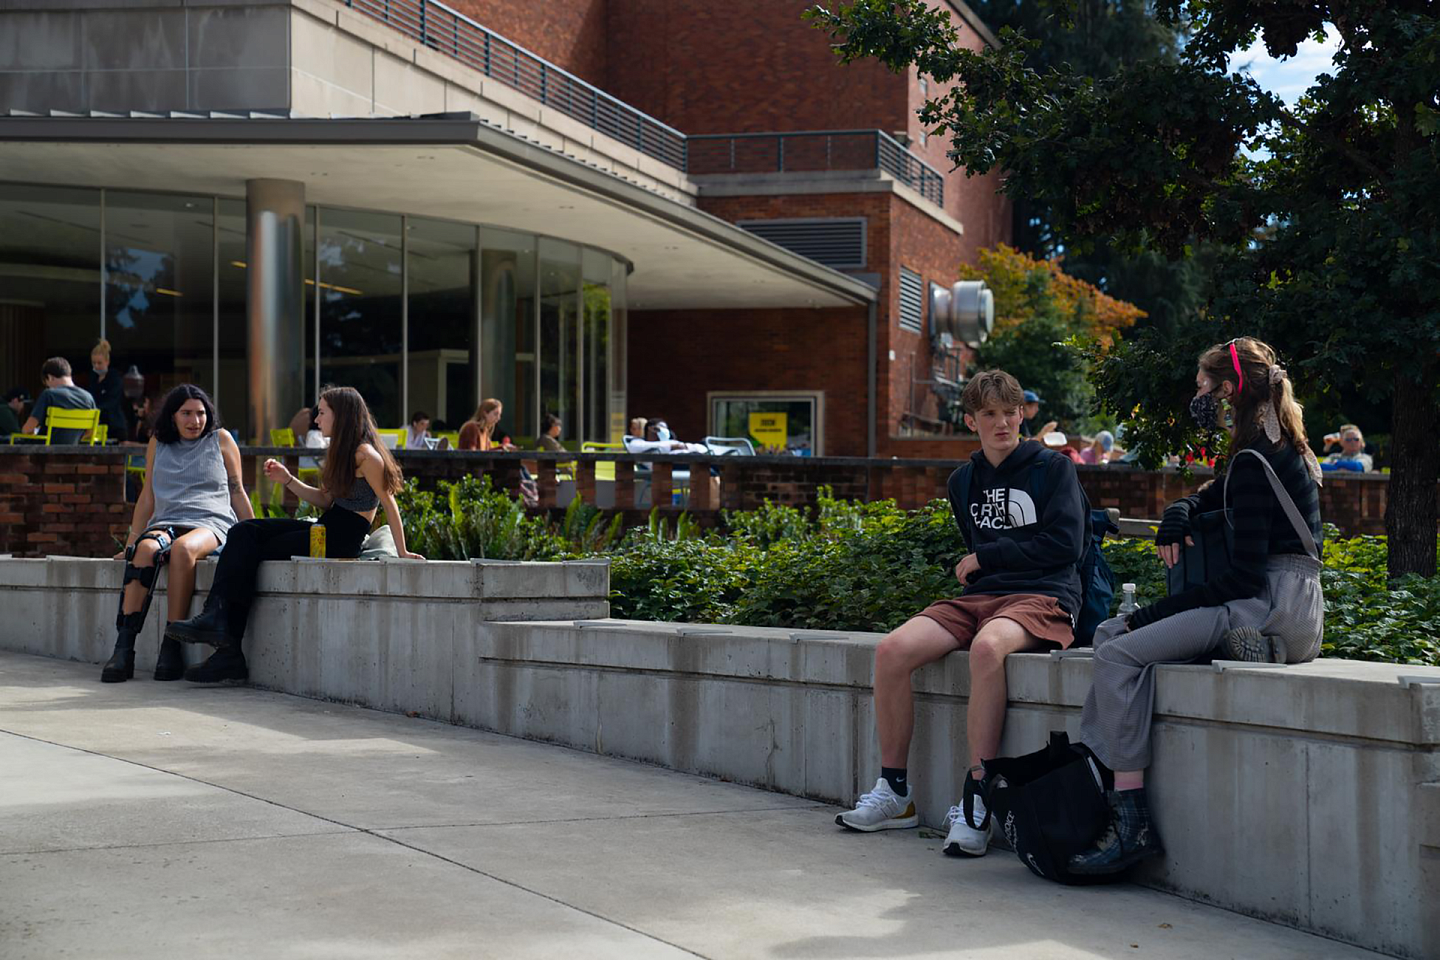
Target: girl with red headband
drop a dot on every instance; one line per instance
(1267, 606)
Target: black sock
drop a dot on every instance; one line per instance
(895, 776)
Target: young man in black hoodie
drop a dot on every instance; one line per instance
(1024, 521)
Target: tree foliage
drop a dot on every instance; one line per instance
(1327, 230)
(1039, 309)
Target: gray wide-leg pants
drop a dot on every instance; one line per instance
(1116, 719)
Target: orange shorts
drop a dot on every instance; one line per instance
(1042, 617)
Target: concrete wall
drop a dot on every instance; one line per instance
(1308, 795)
(77, 55)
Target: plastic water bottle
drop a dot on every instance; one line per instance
(1128, 605)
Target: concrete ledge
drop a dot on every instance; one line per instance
(1307, 795)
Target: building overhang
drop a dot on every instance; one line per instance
(455, 167)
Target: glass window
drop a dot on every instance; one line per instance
(360, 297)
(507, 327)
(560, 357)
(618, 361)
(596, 268)
(159, 291)
(774, 423)
(49, 280)
(443, 268)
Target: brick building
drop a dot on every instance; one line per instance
(596, 208)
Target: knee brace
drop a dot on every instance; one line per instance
(146, 575)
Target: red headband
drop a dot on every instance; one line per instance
(1235, 358)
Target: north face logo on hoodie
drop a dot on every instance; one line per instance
(1004, 509)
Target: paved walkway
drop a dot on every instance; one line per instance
(155, 820)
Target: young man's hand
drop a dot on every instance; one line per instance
(967, 568)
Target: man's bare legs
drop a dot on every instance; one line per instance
(917, 642)
(985, 715)
(922, 640)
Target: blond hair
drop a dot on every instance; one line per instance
(992, 387)
(1263, 383)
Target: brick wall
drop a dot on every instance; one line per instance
(66, 504)
(71, 501)
(676, 357)
(572, 34)
(743, 66)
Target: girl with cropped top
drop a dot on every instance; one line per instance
(359, 476)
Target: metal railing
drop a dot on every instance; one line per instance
(813, 150)
(452, 33)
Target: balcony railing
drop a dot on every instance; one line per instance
(813, 150)
(452, 33)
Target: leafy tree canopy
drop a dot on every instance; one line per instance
(1326, 215)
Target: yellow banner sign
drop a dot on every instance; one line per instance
(770, 431)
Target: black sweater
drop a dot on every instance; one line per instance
(1023, 546)
(1262, 529)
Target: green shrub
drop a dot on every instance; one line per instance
(857, 566)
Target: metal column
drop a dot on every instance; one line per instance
(275, 302)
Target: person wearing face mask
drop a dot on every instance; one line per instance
(1267, 606)
(659, 439)
(108, 389)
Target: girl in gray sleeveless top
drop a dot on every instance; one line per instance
(191, 498)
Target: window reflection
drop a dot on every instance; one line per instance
(159, 292)
(49, 280)
(360, 297)
(560, 357)
(507, 327)
(443, 266)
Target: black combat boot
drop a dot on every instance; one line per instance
(226, 663)
(121, 665)
(211, 625)
(170, 664)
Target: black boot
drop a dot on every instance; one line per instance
(170, 664)
(226, 663)
(212, 625)
(121, 665)
(1129, 839)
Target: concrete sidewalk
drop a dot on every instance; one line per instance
(166, 820)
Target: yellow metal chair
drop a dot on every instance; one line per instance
(452, 435)
(59, 418)
(604, 469)
(282, 437)
(399, 436)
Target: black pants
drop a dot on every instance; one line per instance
(253, 541)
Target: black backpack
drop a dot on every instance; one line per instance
(1097, 581)
(1050, 805)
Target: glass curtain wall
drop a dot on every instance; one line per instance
(619, 365)
(538, 324)
(160, 288)
(508, 327)
(444, 265)
(360, 308)
(50, 289)
(595, 268)
(560, 356)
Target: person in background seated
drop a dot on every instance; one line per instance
(108, 390)
(60, 392)
(1031, 411)
(359, 476)
(1021, 592)
(193, 496)
(658, 439)
(418, 430)
(480, 432)
(550, 429)
(1351, 455)
(12, 410)
(1267, 605)
(140, 414)
(1102, 449)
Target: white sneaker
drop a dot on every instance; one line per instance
(880, 809)
(965, 840)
